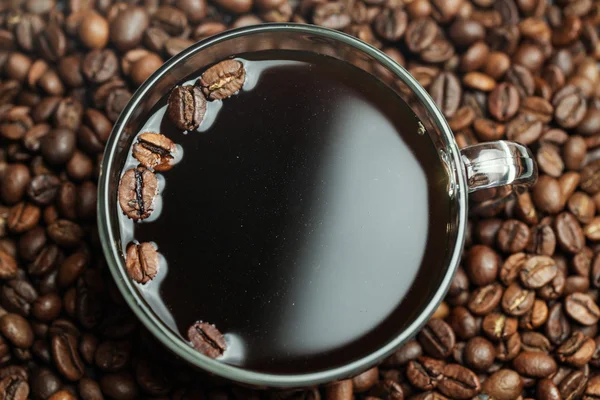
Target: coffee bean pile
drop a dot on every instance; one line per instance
(521, 318)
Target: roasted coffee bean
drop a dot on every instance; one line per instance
(93, 30)
(66, 355)
(47, 307)
(577, 350)
(557, 327)
(569, 233)
(70, 270)
(8, 266)
(534, 341)
(582, 308)
(582, 206)
(504, 384)
(497, 326)
(573, 385)
(437, 338)
(44, 383)
(420, 34)
(425, 373)
(43, 189)
(141, 262)
(94, 131)
(510, 270)
(535, 317)
(99, 66)
(516, 300)
(154, 151)
(535, 364)
(459, 382)
(524, 129)
(45, 260)
(542, 241)
(409, 351)
(223, 79)
(550, 161)
(23, 217)
(127, 29)
(479, 353)
(590, 178)
(537, 271)
(503, 102)
(14, 183)
(17, 330)
(592, 390)
(569, 107)
(119, 386)
(17, 296)
(513, 236)
(176, 45)
(14, 388)
(482, 265)
(65, 233)
(51, 42)
(485, 299)
(58, 146)
(206, 339)
(112, 356)
(366, 380)
(446, 92)
(391, 24)
(186, 107)
(67, 196)
(547, 195)
(137, 190)
(506, 349)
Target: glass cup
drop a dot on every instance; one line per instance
(494, 168)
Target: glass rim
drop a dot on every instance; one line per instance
(174, 342)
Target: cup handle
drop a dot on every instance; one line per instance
(498, 163)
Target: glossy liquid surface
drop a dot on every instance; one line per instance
(306, 219)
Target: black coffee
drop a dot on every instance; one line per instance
(306, 219)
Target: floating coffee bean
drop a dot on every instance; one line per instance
(206, 339)
(154, 151)
(186, 107)
(141, 262)
(223, 80)
(137, 191)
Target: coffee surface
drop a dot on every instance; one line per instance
(306, 218)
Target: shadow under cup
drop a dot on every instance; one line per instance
(302, 38)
